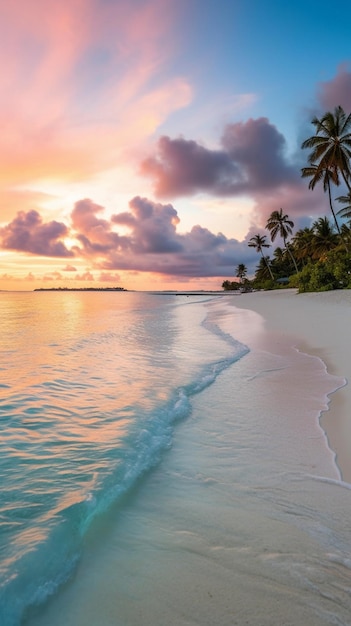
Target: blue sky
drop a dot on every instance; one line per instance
(278, 51)
(145, 141)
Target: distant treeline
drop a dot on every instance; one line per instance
(80, 289)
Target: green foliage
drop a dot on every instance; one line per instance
(330, 147)
(279, 224)
(241, 272)
(320, 254)
(321, 278)
(339, 265)
(265, 284)
(227, 285)
(330, 154)
(331, 272)
(259, 242)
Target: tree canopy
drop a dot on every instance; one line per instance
(316, 257)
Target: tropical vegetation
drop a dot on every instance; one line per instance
(259, 242)
(314, 258)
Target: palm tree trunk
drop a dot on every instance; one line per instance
(267, 264)
(291, 255)
(332, 210)
(334, 216)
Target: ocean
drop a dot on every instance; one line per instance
(156, 470)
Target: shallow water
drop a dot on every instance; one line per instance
(233, 515)
(91, 385)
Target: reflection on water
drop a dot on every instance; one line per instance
(244, 520)
(90, 385)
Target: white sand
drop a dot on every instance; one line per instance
(321, 325)
(243, 522)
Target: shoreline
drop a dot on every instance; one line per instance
(319, 325)
(242, 521)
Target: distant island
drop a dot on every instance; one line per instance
(80, 289)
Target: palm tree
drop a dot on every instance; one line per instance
(279, 255)
(346, 235)
(263, 272)
(302, 243)
(241, 272)
(330, 153)
(346, 210)
(331, 146)
(325, 174)
(278, 223)
(258, 242)
(324, 238)
(281, 262)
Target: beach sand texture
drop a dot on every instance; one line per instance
(245, 521)
(321, 325)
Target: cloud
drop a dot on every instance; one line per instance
(154, 245)
(94, 234)
(50, 276)
(252, 162)
(69, 268)
(183, 167)
(86, 276)
(251, 159)
(151, 245)
(28, 233)
(258, 148)
(336, 91)
(13, 200)
(107, 277)
(151, 229)
(150, 242)
(82, 84)
(153, 226)
(300, 203)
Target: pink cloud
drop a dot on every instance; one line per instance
(13, 200)
(74, 77)
(154, 245)
(153, 226)
(301, 204)
(259, 150)
(181, 167)
(108, 277)
(337, 91)
(252, 158)
(86, 276)
(94, 234)
(69, 268)
(52, 276)
(28, 233)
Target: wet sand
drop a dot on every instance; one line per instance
(243, 521)
(321, 325)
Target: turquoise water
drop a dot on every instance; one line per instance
(91, 386)
(155, 470)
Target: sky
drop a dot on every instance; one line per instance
(145, 141)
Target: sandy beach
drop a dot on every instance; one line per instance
(321, 325)
(243, 521)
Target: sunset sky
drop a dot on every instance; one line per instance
(145, 141)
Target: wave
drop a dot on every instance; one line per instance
(40, 572)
